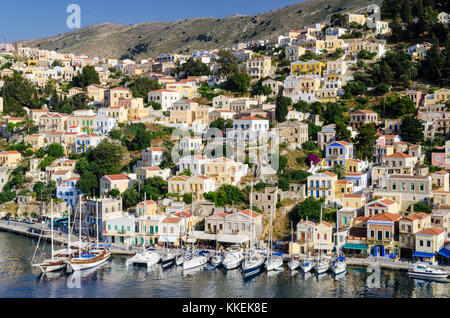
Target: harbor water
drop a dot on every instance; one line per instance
(18, 279)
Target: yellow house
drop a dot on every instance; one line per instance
(137, 113)
(323, 237)
(354, 201)
(440, 180)
(381, 206)
(311, 67)
(119, 182)
(184, 91)
(322, 185)
(10, 159)
(353, 165)
(225, 171)
(96, 92)
(343, 187)
(429, 241)
(143, 173)
(333, 43)
(36, 141)
(146, 208)
(114, 95)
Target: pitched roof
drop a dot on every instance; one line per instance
(399, 155)
(117, 177)
(250, 213)
(170, 219)
(432, 231)
(182, 214)
(386, 216)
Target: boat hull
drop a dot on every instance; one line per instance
(168, 262)
(273, 264)
(253, 270)
(51, 267)
(195, 262)
(427, 275)
(77, 266)
(293, 265)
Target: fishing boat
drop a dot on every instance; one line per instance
(90, 258)
(253, 263)
(322, 266)
(233, 258)
(424, 270)
(274, 260)
(197, 260)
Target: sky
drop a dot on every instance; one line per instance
(30, 19)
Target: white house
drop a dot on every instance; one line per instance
(152, 156)
(104, 124)
(67, 190)
(196, 164)
(165, 97)
(250, 126)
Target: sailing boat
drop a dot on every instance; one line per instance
(322, 266)
(233, 257)
(340, 265)
(88, 259)
(254, 262)
(274, 262)
(218, 257)
(293, 263)
(184, 255)
(168, 258)
(57, 260)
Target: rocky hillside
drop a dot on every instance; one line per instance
(184, 36)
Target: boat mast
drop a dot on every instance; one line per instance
(320, 250)
(251, 216)
(68, 236)
(79, 228)
(51, 209)
(96, 219)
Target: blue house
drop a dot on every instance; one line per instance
(338, 152)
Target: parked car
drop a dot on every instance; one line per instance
(29, 221)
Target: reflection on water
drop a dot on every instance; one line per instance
(113, 279)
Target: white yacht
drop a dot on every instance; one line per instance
(146, 257)
(306, 265)
(195, 261)
(233, 258)
(274, 260)
(293, 263)
(422, 269)
(253, 265)
(339, 267)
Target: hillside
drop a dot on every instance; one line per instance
(153, 38)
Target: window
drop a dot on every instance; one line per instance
(428, 243)
(372, 233)
(421, 187)
(403, 186)
(412, 186)
(379, 235)
(394, 186)
(421, 243)
(386, 234)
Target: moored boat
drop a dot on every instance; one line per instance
(422, 269)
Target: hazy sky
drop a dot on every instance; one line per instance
(26, 19)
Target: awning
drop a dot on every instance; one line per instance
(170, 239)
(353, 246)
(423, 254)
(224, 238)
(445, 251)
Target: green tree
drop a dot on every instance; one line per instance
(136, 137)
(114, 193)
(238, 82)
(130, 198)
(142, 85)
(227, 63)
(193, 67)
(187, 198)
(365, 141)
(56, 150)
(87, 77)
(221, 124)
(412, 130)
(310, 208)
(281, 109)
(342, 133)
(339, 170)
(18, 92)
